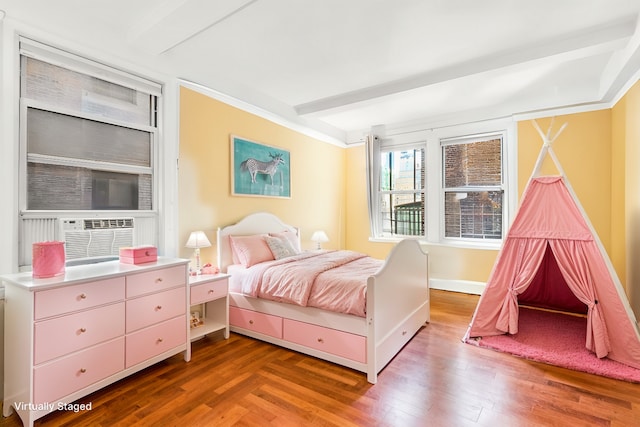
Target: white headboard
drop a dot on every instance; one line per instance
(256, 223)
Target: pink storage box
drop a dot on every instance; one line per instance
(48, 259)
(138, 255)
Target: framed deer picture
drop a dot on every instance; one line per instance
(259, 170)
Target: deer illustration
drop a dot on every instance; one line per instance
(256, 166)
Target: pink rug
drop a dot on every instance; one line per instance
(557, 339)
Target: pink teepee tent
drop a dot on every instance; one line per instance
(552, 258)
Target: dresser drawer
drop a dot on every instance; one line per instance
(209, 291)
(148, 310)
(257, 322)
(155, 340)
(62, 335)
(54, 380)
(53, 302)
(155, 280)
(340, 343)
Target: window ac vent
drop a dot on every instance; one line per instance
(107, 224)
(93, 238)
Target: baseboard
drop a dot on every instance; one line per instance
(463, 286)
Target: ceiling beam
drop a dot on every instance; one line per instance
(588, 42)
(173, 22)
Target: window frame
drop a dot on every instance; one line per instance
(61, 58)
(382, 193)
(469, 139)
(434, 181)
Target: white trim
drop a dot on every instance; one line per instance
(463, 286)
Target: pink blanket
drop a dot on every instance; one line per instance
(331, 280)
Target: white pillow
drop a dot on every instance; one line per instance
(291, 237)
(280, 247)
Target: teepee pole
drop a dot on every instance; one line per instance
(547, 141)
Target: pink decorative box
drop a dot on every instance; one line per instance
(48, 259)
(138, 255)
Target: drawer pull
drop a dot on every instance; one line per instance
(251, 322)
(159, 340)
(320, 340)
(83, 296)
(159, 280)
(404, 332)
(158, 307)
(211, 291)
(83, 370)
(83, 330)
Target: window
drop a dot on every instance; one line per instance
(442, 187)
(401, 203)
(472, 177)
(90, 134)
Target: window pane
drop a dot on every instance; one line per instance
(473, 164)
(84, 93)
(401, 203)
(60, 135)
(476, 214)
(53, 187)
(403, 214)
(402, 170)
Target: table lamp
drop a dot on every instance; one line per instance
(197, 240)
(319, 237)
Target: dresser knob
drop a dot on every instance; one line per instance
(159, 340)
(83, 330)
(320, 340)
(83, 370)
(158, 307)
(159, 279)
(251, 322)
(211, 291)
(404, 332)
(83, 296)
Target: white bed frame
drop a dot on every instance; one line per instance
(397, 300)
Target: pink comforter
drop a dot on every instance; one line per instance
(331, 280)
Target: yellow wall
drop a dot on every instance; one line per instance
(205, 201)
(598, 151)
(626, 115)
(584, 153)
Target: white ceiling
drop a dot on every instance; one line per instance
(343, 66)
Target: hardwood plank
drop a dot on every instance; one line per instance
(435, 380)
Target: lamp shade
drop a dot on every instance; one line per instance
(319, 236)
(197, 239)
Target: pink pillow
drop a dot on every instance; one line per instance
(250, 250)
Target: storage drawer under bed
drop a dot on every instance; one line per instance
(256, 322)
(331, 341)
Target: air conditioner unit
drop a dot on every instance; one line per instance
(90, 238)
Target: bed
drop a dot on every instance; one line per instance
(394, 293)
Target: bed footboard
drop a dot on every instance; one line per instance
(397, 303)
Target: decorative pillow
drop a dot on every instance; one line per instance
(251, 250)
(291, 237)
(280, 247)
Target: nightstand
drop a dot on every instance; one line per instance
(210, 300)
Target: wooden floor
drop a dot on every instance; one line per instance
(435, 381)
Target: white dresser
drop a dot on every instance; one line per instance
(68, 336)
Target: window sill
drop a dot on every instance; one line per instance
(489, 246)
